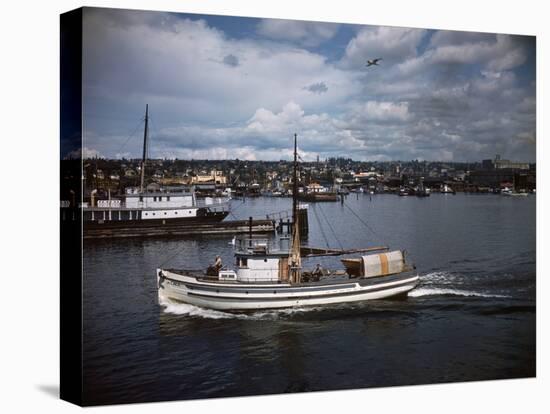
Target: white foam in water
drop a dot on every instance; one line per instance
(446, 279)
(456, 292)
(443, 278)
(179, 308)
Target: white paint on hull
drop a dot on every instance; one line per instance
(302, 296)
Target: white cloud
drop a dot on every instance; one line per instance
(392, 44)
(498, 53)
(304, 33)
(216, 96)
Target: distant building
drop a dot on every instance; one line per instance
(502, 164)
(215, 176)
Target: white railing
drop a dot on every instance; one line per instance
(109, 203)
(212, 201)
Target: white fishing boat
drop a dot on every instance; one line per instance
(270, 274)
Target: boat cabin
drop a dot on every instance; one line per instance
(259, 260)
(159, 199)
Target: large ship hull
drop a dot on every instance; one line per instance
(318, 197)
(238, 296)
(161, 227)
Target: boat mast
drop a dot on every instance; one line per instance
(144, 158)
(295, 258)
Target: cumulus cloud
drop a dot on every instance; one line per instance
(437, 95)
(304, 33)
(319, 87)
(231, 60)
(392, 44)
(85, 153)
(498, 52)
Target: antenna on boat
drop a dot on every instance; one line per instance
(295, 258)
(144, 159)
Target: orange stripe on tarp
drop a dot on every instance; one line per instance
(384, 270)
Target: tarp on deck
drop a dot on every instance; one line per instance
(382, 264)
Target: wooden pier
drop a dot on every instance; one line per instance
(223, 227)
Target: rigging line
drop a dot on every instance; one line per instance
(130, 136)
(172, 256)
(235, 209)
(364, 223)
(320, 226)
(330, 227)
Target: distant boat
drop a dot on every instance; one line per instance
(315, 192)
(270, 275)
(421, 191)
(446, 189)
(511, 193)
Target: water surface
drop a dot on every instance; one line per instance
(472, 317)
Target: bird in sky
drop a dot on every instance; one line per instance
(373, 62)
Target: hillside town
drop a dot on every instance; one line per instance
(341, 175)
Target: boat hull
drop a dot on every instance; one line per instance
(237, 296)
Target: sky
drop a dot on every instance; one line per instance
(230, 87)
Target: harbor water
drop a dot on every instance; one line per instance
(472, 317)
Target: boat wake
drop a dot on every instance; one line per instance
(178, 308)
(184, 309)
(419, 292)
(446, 284)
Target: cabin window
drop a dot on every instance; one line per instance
(153, 214)
(244, 262)
(146, 214)
(154, 198)
(175, 212)
(165, 213)
(141, 198)
(160, 198)
(167, 198)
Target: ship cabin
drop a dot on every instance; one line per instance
(162, 203)
(259, 260)
(159, 199)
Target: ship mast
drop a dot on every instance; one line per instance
(144, 158)
(295, 258)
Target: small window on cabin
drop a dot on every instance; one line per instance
(165, 213)
(153, 214)
(141, 198)
(167, 198)
(160, 198)
(154, 198)
(175, 212)
(244, 262)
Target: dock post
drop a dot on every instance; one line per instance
(250, 230)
